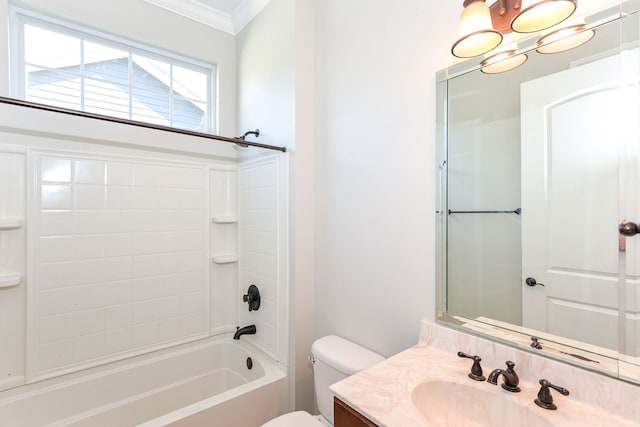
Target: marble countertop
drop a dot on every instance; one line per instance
(383, 393)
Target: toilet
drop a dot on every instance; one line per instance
(334, 359)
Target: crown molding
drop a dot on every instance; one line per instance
(197, 11)
(246, 11)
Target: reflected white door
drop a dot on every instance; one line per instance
(573, 159)
(630, 204)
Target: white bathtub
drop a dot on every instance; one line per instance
(206, 383)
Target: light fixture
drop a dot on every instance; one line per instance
(536, 15)
(483, 27)
(477, 35)
(504, 61)
(564, 39)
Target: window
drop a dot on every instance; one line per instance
(69, 67)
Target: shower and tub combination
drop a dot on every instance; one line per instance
(125, 254)
(203, 383)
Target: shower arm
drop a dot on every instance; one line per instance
(251, 132)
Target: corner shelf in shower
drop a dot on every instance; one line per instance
(10, 280)
(10, 223)
(224, 219)
(224, 259)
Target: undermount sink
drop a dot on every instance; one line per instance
(453, 404)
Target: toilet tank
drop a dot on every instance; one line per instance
(334, 359)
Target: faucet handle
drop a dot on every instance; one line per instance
(545, 399)
(252, 297)
(476, 369)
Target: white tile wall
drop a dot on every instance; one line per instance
(12, 250)
(258, 240)
(120, 258)
(224, 243)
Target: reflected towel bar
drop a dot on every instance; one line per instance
(515, 211)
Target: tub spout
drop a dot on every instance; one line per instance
(251, 329)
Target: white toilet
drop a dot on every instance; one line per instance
(333, 358)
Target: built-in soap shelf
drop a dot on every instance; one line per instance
(10, 223)
(224, 259)
(10, 280)
(224, 219)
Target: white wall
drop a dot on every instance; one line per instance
(4, 48)
(304, 168)
(375, 207)
(266, 74)
(349, 87)
(142, 22)
(275, 94)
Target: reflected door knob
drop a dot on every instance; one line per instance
(531, 282)
(628, 228)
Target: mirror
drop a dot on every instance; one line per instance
(536, 169)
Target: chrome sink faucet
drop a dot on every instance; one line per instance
(509, 376)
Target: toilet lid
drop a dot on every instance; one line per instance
(294, 419)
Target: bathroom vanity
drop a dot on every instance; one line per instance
(345, 416)
(428, 383)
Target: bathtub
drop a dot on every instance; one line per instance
(205, 383)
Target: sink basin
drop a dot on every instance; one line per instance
(453, 404)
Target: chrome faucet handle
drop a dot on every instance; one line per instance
(545, 399)
(476, 369)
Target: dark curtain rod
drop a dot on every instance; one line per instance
(44, 107)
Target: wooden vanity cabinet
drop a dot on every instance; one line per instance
(346, 416)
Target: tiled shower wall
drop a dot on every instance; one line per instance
(120, 258)
(12, 264)
(116, 241)
(262, 250)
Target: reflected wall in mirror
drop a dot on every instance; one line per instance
(538, 166)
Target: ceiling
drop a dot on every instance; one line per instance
(226, 15)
